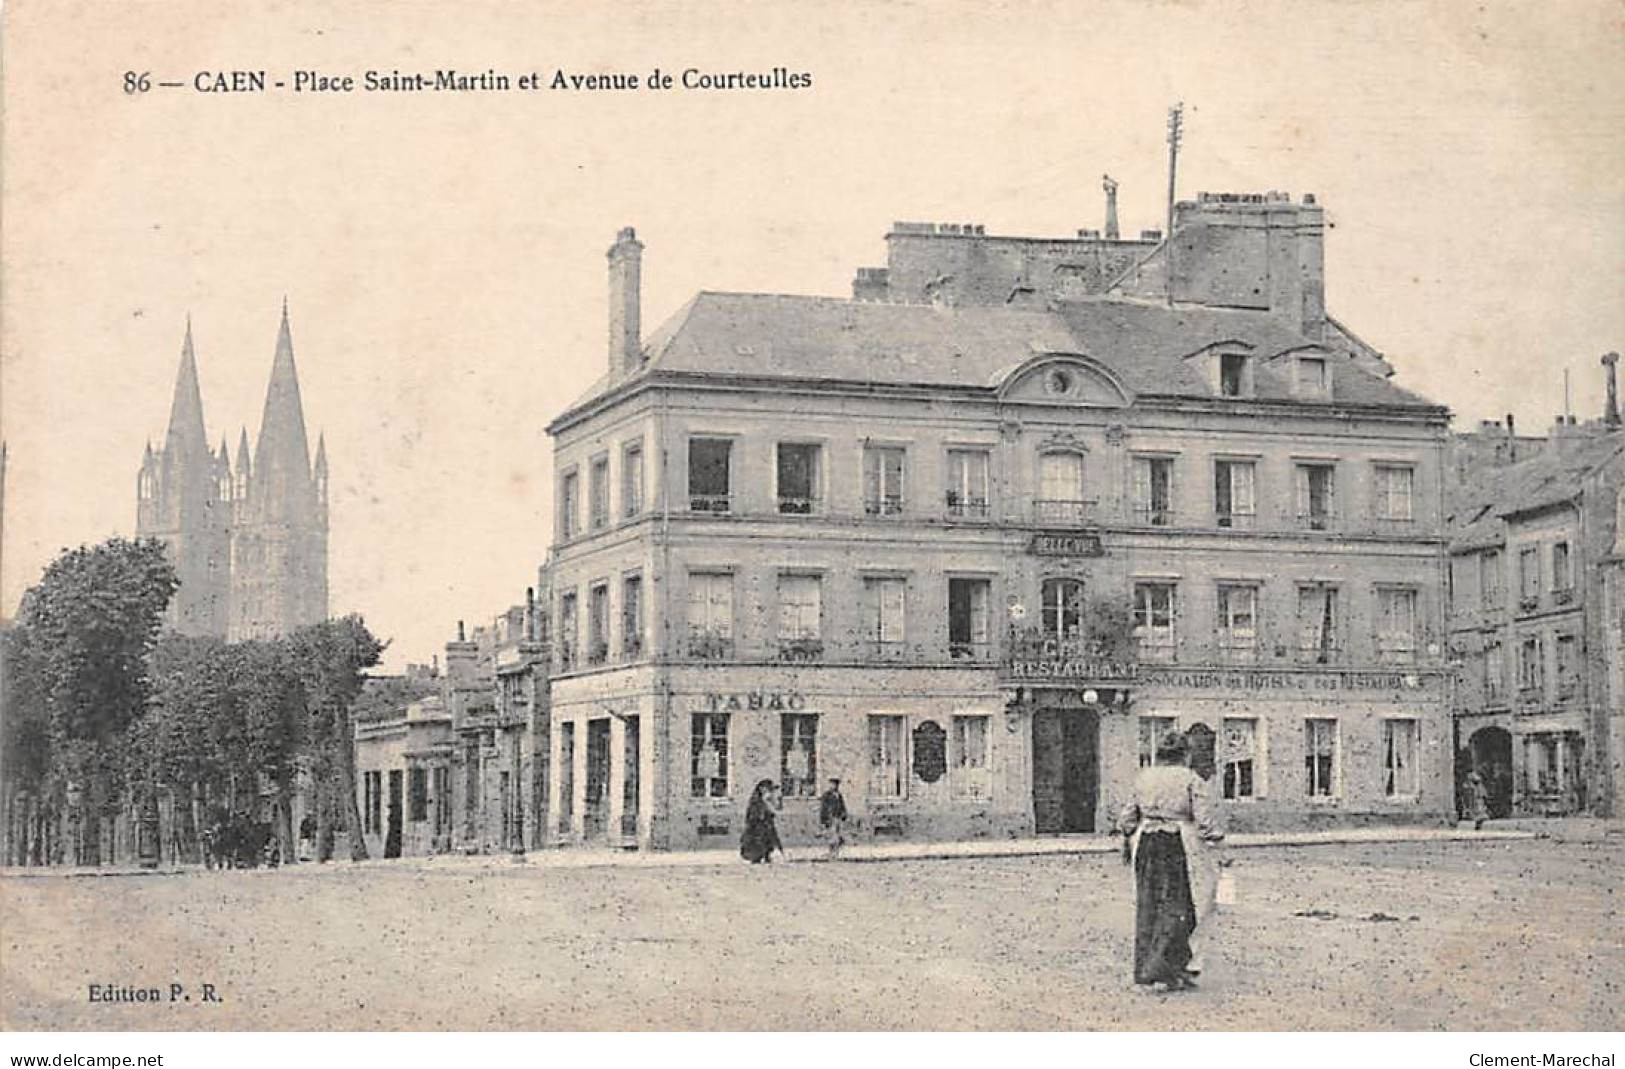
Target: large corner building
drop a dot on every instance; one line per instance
(881, 538)
(248, 540)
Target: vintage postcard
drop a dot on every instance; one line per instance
(893, 516)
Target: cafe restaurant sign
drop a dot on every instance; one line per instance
(1039, 658)
(1065, 544)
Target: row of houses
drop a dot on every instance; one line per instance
(973, 538)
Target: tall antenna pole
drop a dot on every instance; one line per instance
(1568, 400)
(1176, 118)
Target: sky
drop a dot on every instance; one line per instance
(443, 254)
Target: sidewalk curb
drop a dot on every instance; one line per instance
(567, 859)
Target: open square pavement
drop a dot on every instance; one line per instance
(1486, 935)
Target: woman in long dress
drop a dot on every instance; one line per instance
(761, 836)
(1168, 821)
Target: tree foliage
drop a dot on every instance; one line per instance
(96, 702)
(76, 664)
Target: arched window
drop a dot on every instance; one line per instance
(145, 486)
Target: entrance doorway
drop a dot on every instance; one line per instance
(1490, 754)
(597, 793)
(392, 837)
(1066, 769)
(629, 784)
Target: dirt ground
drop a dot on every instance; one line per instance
(1522, 935)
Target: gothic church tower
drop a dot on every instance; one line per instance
(249, 542)
(179, 501)
(279, 531)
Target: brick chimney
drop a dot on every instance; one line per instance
(1610, 414)
(1254, 250)
(625, 299)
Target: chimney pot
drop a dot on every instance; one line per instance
(460, 633)
(1610, 415)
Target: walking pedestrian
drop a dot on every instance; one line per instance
(832, 817)
(1168, 820)
(761, 835)
(1478, 799)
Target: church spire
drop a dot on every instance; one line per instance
(282, 455)
(186, 437)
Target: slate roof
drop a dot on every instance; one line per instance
(1551, 477)
(1144, 343)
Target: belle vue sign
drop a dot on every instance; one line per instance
(1065, 544)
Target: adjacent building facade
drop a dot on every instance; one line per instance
(456, 770)
(1535, 620)
(972, 539)
(248, 540)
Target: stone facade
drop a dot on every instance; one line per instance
(1534, 619)
(802, 537)
(249, 542)
(457, 771)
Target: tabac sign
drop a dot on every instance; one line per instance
(1065, 544)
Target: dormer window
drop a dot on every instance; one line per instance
(1313, 377)
(1235, 375)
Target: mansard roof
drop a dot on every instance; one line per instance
(1143, 344)
(1554, 476)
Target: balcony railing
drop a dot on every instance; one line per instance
(632, 648)
(961, 507)
(1311, 652)
(1395, 651)
(885, 505)
(797, 506)
(1563, 595)
(709, 503)
(710, 646)
(1238, 649)
(1154, 515)
(1156, 649)
(597, 652)
(1240, 521)
(1316, 521)
(1053, 513)
(969, 650)
(885, 651)
(801, 650)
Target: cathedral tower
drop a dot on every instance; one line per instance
(178, 494)
(279, 537)
(248, 540)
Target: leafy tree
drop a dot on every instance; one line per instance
(179, 744)
(78, 664)
(331, 657)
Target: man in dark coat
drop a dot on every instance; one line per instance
(832, 817)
